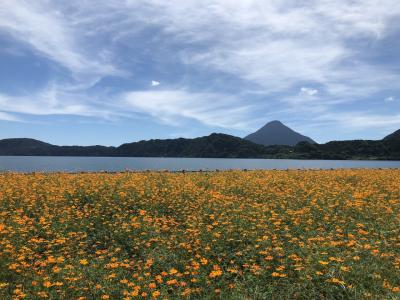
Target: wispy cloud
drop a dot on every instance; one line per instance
(278, 54)
(53, 100)
(390, 99)
(308, 91)
(8, 117)
(361, 120)
(171, 105)
(279, 44)
(274, 44)
(48, 31)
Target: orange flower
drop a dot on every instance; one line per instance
(216, 273)
(152, 285)
(156, 294)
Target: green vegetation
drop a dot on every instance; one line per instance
(216, 145)
(221, 235)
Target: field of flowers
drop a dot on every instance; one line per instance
(231, 235)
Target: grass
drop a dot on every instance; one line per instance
(220, 235)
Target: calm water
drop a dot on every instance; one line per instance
(72, 164)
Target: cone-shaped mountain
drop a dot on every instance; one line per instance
(276, 133)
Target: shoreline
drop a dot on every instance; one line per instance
(161, 171)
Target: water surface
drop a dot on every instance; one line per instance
(92, 164)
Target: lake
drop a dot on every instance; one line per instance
(76, 164)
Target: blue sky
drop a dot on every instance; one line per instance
(108, 72)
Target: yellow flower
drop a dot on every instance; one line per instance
(215, 273)
(83, 262)
(276, 274)
(42, 294)
(173, 271)
(335, 280)
(156, 294)
(51, 260)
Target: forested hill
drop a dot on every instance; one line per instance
(215, 145)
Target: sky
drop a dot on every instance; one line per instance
(83, 72)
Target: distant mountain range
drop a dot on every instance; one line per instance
(276, 133)
(257, 145)
(214, 145)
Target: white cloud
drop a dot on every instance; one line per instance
(390, 99)
(54, 100)
(8, 117)
(361, 120)
(308, 91)
(171, 105)
(271, 46)
(49, 32)
(277, 44)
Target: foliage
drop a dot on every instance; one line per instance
(214, 145)
(230, 235)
